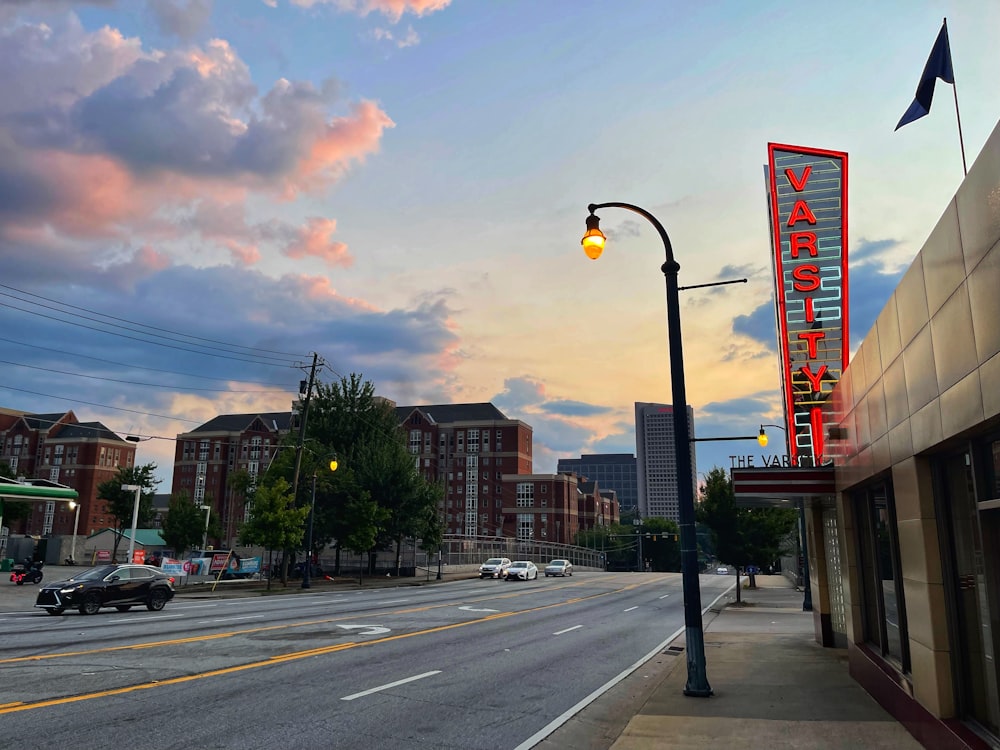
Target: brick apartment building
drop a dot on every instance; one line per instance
(60, 448)
(206, 457)
(470, 448)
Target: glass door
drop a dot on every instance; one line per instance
(975, 545)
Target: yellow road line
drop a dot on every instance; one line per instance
(9, 708)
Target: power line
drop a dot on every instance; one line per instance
(132, 366)
(144, 341)
(132, 382)
(103, 406)
(132, 322)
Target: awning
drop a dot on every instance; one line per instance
(35, 489)
(780, 487)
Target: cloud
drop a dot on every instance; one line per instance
(519, 394)
(181, 18)
(314, 239)
(868, 293)
(391, 9)
(759, 325)
(410, 39)
(569, 408)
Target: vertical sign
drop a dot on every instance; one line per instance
(807, 192)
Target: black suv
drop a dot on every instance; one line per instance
(118, 586)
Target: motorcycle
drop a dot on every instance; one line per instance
(29, 570)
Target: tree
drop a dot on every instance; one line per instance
(275, 523)
(122, 502)
(742, 536)
(184, 525)
(385, 488)
(661, 544)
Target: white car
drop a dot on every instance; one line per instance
(495, 567)
(522, 570)
(722, 570)
(559, 568)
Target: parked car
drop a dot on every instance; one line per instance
(722, 570)
(118, 586)
(495, 567)
(522, 570)
(559, 568)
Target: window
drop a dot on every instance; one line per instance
(473, 441)
(883, 607)
(525, 494)
(415, 441)
(525, 526)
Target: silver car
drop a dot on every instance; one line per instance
(522, 570)
(495, 567)
(559, 568)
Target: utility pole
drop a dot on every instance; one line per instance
(302, 428)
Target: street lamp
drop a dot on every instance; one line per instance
(76, 524)
(137, 488)
(208, 514)
(593, 245)
(307, 566)
(807, 599)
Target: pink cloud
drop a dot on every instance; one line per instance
(314, 239)
(392, 9)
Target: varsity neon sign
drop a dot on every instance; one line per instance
(807, 190)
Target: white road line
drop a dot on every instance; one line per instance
(391, 685)
(665, 596)
(395, 601)
(557, 722)
(140, 619)
(560, 632)
(629, 609)
(194, 606)
(229, 619)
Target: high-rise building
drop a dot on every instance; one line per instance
(656, 460)
(612, 471)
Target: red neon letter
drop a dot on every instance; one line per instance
(799, 184)
(813, 379)
(802, 241)
(810, 315)
(806, 278)
(812, 337)
(816, 421)
(801, 212)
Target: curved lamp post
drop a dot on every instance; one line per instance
(137, 488)
(593, 245)
(76, 525)
(307, 566)
(807, 599)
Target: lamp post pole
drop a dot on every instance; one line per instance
(137, 488)
(697, 678)
(76, 525)
(807, 597)
(306, 584)
(208, 515)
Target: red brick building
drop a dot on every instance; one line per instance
(470, 448)
(60, 448)
(206, 457)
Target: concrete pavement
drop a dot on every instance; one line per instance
(774, 687)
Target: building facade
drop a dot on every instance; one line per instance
(541, 507)
(209, 455)
(904, 553)
(60, 448)
(656, 461)
(469, 448)
(613, 471)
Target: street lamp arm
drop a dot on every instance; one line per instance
(674, 265)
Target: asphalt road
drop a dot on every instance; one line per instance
(464, 664)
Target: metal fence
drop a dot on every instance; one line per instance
(460, 550)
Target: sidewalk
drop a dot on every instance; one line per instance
(774, 688)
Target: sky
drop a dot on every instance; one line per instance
(196, 195)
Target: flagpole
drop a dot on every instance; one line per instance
(958, 116)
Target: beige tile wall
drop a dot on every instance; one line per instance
(928, 371)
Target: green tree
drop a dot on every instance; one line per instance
(661, 544)
(742, 536)
(384, 487)
(275, 523)
(184, 524)
(122, 502)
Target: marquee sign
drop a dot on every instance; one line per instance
(807, 196)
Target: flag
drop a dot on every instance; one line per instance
(938, 66)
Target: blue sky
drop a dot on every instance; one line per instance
(401, 186)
